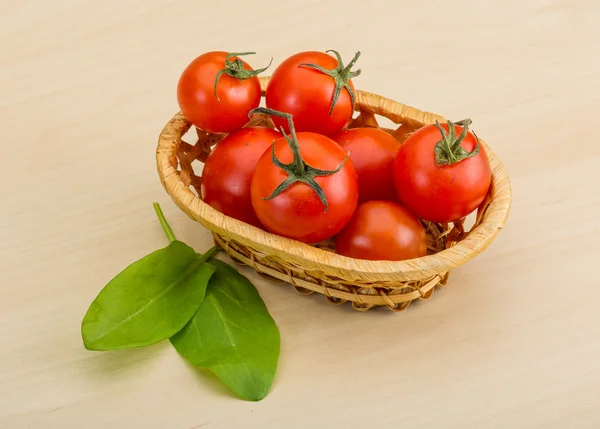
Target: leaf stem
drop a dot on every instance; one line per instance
(208, 254)
(163, 222)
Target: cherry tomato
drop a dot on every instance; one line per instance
(237, 91)
(382, 230)
(308, 93)
(304, 188)
(441, 177)
(228, 171)
(372, 152)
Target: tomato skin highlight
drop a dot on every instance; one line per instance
(298, 213)
(372, 152)
(307, 93)
(197, 101)
(228, 171)
(382, 231)
(444, 193)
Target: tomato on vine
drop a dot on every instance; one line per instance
(305, 187)
(441, 177)
(316, 89)
(228, 171)
(217, 90)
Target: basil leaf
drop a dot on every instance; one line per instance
(233, 335)
(149, 301)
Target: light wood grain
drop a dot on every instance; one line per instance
(513, 342)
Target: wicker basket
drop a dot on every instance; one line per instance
(309, 269)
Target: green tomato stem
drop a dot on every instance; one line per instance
(341, 76)
(163, 222)
(448, 150)
(297, 170)
(236, 69)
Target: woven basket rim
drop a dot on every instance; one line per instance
(315, 259)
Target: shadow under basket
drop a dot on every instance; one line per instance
(366, 284)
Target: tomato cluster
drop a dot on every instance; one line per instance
(313, 179)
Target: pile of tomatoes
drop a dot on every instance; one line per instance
(313, 179)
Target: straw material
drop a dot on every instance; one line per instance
(311, 269)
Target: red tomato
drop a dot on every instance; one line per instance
(382, 230)
(372, 152)
(237, 92)
(441, 177)
(228, 172)
(308, 93)
(297, 211)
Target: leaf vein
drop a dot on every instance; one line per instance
(152, 301)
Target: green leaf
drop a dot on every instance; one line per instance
(149, 301)
(233, 335)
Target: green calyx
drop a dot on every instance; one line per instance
(341, 75)
(236, 69)
(448, 150)
(297, 170)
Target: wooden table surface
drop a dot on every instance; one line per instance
(513, 342)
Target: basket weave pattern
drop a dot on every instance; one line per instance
(309, 269)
